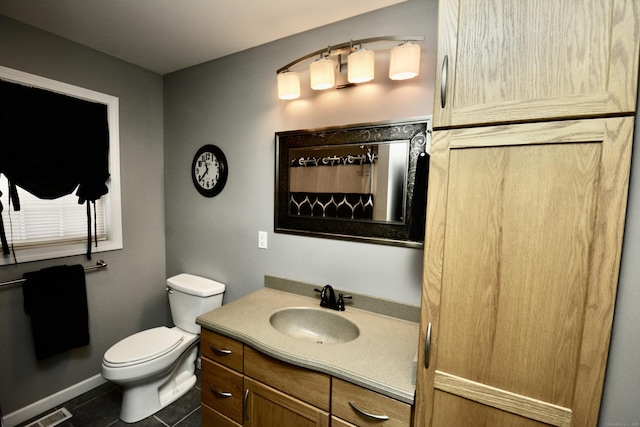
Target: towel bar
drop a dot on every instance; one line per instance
(100, 264)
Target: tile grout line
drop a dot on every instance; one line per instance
(186, 416)
(163, 423)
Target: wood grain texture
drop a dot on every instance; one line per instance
(212, 418)
(537, 60)
(452, 410)
(521, 265)
(268, 407)
(210, 340)
(222, 379)
(342, 393)
(337, 422)
(432, 274)
(604, 268)
(510, 402)
(309, 386)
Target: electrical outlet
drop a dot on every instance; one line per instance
(262, 239)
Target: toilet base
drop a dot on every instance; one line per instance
(144, 400)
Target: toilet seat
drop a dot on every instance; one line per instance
(143, 346)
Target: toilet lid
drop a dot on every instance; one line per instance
(143, 346)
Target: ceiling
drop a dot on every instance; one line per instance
(169, 35)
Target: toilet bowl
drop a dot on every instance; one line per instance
(157, 366)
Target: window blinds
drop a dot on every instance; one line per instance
(46, 222)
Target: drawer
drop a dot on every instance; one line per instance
(344, 395)
(212, 418)
(222, 389)
(221, 349)
(309, 386)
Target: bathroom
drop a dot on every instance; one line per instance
(169, 228)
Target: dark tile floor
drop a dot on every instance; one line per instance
(100, 407)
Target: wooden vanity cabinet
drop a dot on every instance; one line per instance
(504, 61)
(242, 386)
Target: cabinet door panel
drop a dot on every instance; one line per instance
(525, 60)
(522, 250)
(268, 407)
(212, 418)
(464, 412)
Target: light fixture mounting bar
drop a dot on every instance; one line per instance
(347, 46)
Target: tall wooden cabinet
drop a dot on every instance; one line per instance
(527, 196)
(527, 60)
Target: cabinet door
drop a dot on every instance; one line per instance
(268, 407)
(522, 250)
(519, 61)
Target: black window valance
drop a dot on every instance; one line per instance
(51, 144)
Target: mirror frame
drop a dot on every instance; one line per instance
(416, 131)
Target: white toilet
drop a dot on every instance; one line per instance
(157, 366)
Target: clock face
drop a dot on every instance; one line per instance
(209, 170)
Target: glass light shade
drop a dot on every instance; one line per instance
(404, 62)
(288, 85)
(323, 74)
(360, 66)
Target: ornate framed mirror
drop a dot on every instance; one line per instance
(365, 182)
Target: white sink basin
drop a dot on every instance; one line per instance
(314, 325)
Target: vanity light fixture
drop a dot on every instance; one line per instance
(404, 64)
(288, 85)
(404, 61)
(322, 73)
(360, 66)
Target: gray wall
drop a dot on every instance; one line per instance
(232, 102)
(129, 295)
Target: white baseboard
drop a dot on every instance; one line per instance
(50, 402)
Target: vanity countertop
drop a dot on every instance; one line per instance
(381, 358)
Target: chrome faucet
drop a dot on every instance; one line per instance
(328, 298)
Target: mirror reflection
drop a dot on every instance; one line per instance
(360, 182)
(355, 182)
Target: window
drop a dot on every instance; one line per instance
(45, 229)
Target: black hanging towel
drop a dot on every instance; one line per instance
(51, 144)
(56, 300)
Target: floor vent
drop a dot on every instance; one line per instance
(53, 419)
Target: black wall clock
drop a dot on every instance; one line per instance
(209, 170)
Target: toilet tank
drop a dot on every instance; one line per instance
(190, 296)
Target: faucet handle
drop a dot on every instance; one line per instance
(341, 299)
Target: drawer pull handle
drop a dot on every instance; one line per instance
(443, 81)
(366, 414)
(244, 404)
(427, 347)
(219, 351)
(219, 393)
